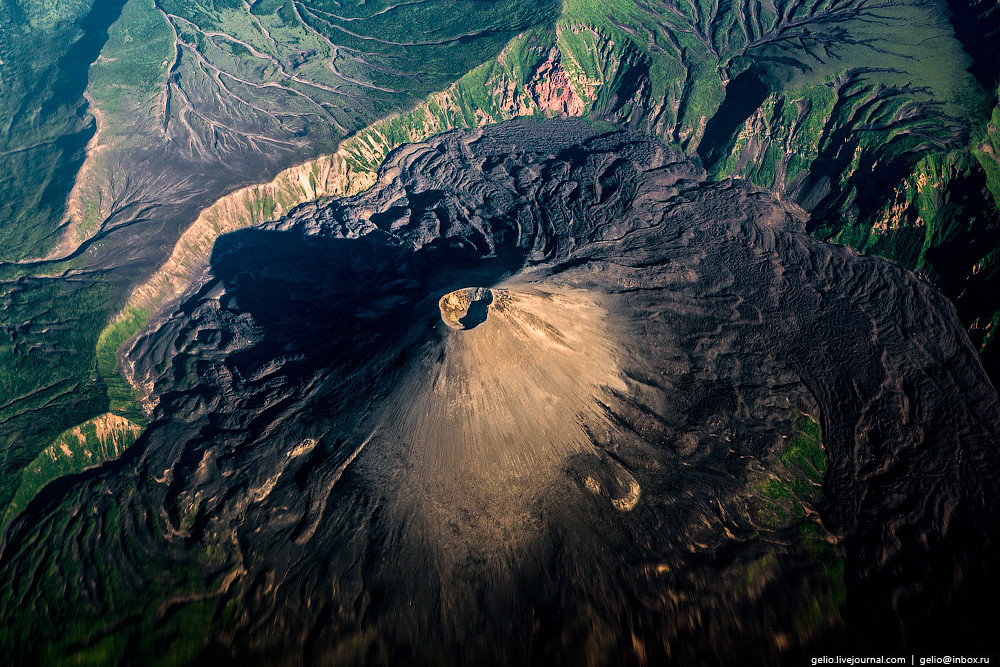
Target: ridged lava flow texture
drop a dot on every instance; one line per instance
(543, 395)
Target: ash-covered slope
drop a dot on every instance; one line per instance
(541, 396)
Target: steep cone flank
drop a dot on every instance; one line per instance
(487, 416)
(511, 395)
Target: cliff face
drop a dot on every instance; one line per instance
(552, 91)
(323, 177)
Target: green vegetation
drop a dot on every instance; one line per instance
(48, 336)
(819, 606)
(50, 324)
(986, 150)
(134, 60)
(832, 594)
(904, 183)
(778, 496)
(43, 133)
(805, 457)
(784, 497)
(175, 643)
(100, 439)
(165, 607)
(60, 319)
(794, 481)
(122, 396)
(289, 66)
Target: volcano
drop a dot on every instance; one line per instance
(542, 396)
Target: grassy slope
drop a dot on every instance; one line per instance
(46, 378)
(56, 380)
(986, 153)
(164, 634)
(42, 133)
(785, 496)
(97, 440)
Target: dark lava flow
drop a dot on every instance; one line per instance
(593, 467)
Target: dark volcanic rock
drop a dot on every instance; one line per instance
(591, 458)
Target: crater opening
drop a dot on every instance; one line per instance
(465, 308)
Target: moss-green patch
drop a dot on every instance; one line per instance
(805, 452)
(47, 352)
(779, 506)
(831, 596)
(986, 150)
(781, 494)
(816, 603)
(122, 396)
(181, 637)
(163, 610)
(88, 444)
(105, 651)
(43, 128)
(758, 569)
(133, 62)
(173, 641)
(65, 441)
